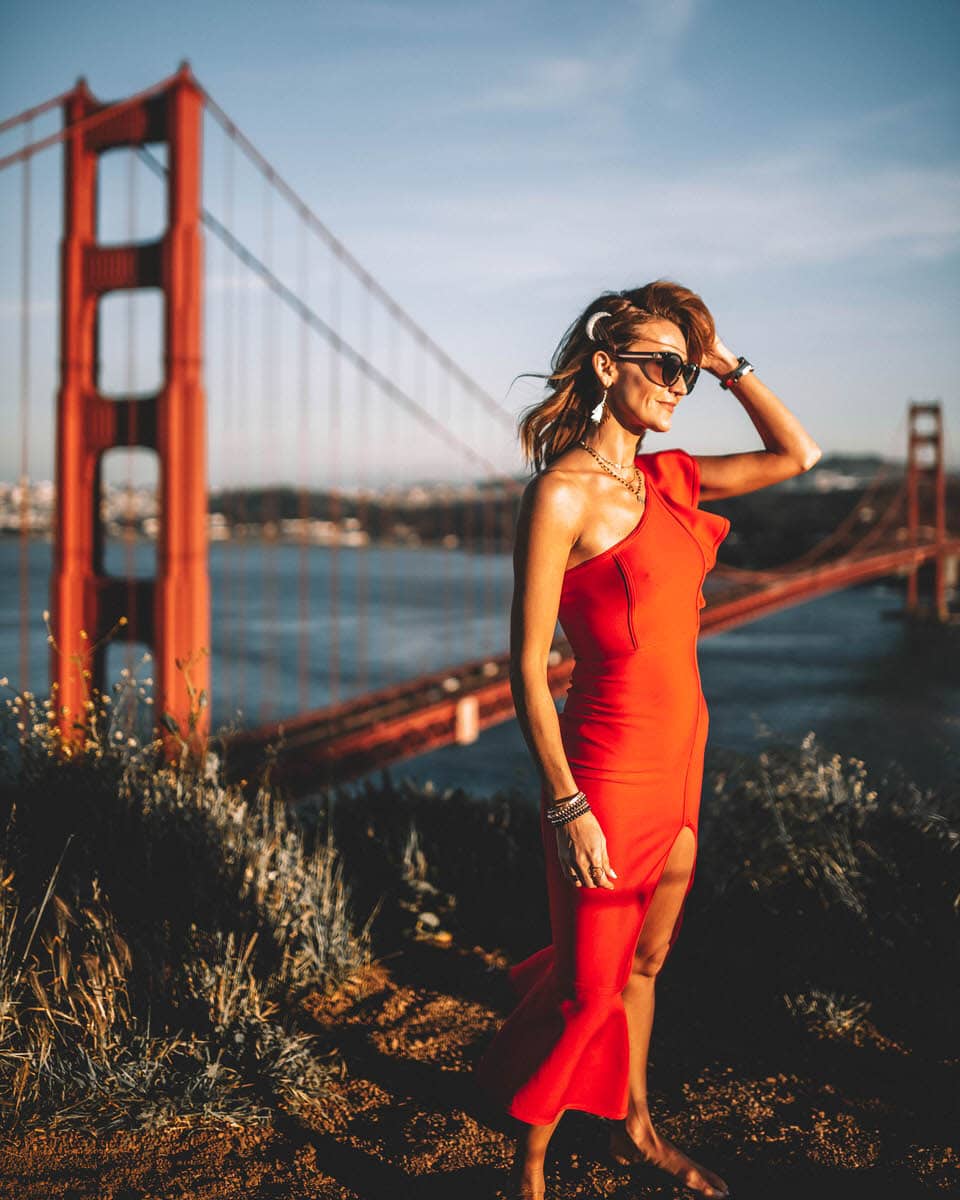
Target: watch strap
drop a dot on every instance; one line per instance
(742, 368)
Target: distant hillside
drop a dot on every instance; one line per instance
(843, 472)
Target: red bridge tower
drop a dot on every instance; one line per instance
(925, 466)
(171, 613)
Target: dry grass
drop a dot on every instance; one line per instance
(849, 886)
(154, 923)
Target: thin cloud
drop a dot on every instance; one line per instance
(381, 16)
(788, 211)
(605, 70)
(669, 22)
(547, 84)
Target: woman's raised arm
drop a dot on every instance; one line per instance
(790, 450)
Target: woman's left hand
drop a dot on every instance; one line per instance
(719, 359)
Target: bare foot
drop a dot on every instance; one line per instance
(650, 1148)
(527, 1182)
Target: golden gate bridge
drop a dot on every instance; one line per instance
(278, 353)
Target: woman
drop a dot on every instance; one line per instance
(612, 542)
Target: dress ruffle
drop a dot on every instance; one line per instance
(676, 476)
(576, 1036)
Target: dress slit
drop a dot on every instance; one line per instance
(659, 872)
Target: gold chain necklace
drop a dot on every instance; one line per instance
(637, 489)
(608, 461)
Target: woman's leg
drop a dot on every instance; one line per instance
(529, 1159)
(637, 1137)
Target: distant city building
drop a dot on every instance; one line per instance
(136, 509)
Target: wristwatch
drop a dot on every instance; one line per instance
(742, 368)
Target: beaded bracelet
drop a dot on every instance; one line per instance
(569, 811)
(562, 808)
(567, 800)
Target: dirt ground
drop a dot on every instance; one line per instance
(786, 1115)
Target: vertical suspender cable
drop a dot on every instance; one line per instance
(303, 511)
(334, 461)
(271, 418)
(244, 482)
(451, 526)
(364, 441)
(489, 566)
(25, 223)
(469, 557)
(411, 578)
(392, 650)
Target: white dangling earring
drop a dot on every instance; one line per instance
(597, 415)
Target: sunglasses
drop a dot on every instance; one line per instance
(669, 366)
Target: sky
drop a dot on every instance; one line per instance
(497, 165)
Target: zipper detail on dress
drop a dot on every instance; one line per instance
(625, 576)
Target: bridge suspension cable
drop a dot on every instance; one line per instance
(310, 218)
(409, 399)
(338, 343)
(72, 128)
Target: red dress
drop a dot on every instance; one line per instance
(634, 730)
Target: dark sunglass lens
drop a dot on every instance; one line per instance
(671, 365)
(691, 372)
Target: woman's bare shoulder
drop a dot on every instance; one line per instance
(555, 498)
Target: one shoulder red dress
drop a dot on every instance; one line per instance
(634, 730)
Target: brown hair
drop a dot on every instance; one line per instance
(549, 427)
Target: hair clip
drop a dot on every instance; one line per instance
(591, 322)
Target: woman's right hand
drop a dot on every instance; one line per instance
(581, 844)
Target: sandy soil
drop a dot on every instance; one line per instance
(786, 1114)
